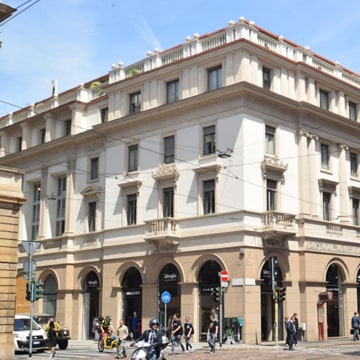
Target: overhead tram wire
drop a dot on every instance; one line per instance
(20, 12)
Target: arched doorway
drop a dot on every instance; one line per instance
(208, 279)
(132, 299)
(91, 304)
(358, 290)
(50, 295)
(335, 314)
(169, 278)
(271, 277)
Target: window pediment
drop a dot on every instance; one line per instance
(327, 185)
(215, 169)
(91, 191)
(354, 192)
(132, 184)
(166, 172)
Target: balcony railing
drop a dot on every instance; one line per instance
(277, 225)
(163, 233)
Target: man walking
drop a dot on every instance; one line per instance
(176, 333)
(355, 322)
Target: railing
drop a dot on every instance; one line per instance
(334, 229)
(161, 227)
(278, 219)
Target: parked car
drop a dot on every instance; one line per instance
(63, 336)
(22, 335)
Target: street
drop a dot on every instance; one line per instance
(305, 351)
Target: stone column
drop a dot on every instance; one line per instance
(304, 204)
(343, 190)
(11, 200)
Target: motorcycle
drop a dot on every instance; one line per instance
(143, 348)
(108, 342)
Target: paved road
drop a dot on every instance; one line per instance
(305, 351)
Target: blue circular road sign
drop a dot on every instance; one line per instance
(165, 297)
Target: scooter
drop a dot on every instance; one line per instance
(143, 348)
(108, 342)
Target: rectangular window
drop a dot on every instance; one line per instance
(325, 156)
(19, 143)
(94, 168)
(215, 78)
(352, 111)
(35, 211)
(131, 209)
(353, 164)
(172, 91)
(67, 127)
(92, 216)
(326, 206)
(270, 140)
(266, 75)
(104, 115)
(355, 208)
(169, 149)
(42, 136)
(209, 140)
(133, 158)
(60, 206)
(135, 103)
(168, 202)
(209, 196)
(324, 99)
(271, 186)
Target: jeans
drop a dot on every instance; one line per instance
(211, 341)
(356, 334)
(187, 342)
(153, 353)
(176, 339)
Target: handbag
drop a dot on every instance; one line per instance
(351, 331)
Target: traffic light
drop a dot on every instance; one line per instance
(281, 293)
(215, 293)
(38, 290)
(28, 292)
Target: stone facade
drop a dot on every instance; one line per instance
(11, 200)
(237, 150)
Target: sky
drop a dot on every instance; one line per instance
(76, 41)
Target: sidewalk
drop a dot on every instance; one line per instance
(237, 346)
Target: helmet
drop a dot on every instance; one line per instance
(154, 322)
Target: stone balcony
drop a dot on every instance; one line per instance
(277, 226)
(162, 233)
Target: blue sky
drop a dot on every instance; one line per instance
(75, 41)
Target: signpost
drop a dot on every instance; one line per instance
(29, 268)
(224, 278)
(165, 298)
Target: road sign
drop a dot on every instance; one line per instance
(224, 275)
(165, 297)
(29, 266)
(30, 246)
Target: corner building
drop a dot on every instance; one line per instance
(236, 150)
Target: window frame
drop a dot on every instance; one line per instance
(266, 78)
(326, 205)
(35, 218)
(209, 140)
(91, 215)
(355, 211)
(94, 163)
(135, 102)
(169, 149)
(209, 196)
(133, 158)
(67, 127)
(324, 99)
(325, 156)
(104, 115)
(354, 164)
(352, 110)
(131, 209)
(271, 195)
(172, 91)
(270, 140)
(168, 197)
(214, 78)
(60, 206)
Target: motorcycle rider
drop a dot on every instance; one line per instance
(107, 329)
(152, 336)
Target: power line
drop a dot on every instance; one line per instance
(20, 12)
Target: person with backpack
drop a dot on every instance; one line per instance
(188, 333)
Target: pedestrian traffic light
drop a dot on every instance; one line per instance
(28, 292)
(38, 290)
(281, 293)
(215, 293)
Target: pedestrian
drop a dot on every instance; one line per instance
(286, 322)
(296, 322)
(188, 333)
(176, 333)
(52, 328)
(355, 322)
(212, 333)
(135, 325)
(122, 333)
(290, 331)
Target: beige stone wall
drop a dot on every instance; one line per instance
(11, 199)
